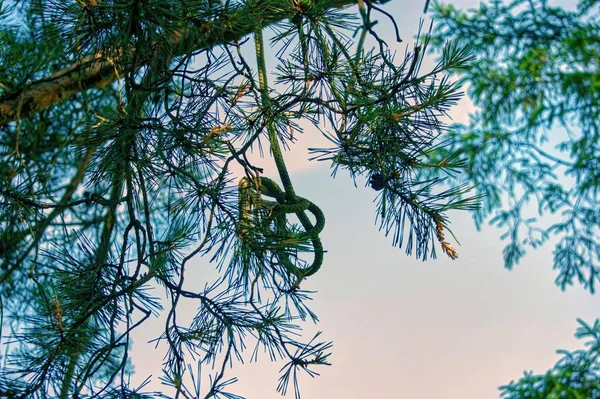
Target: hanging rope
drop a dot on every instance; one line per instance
(269, 218)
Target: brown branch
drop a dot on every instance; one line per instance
(98, 71)
(92, 72)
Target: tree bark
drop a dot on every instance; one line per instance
(98, 71)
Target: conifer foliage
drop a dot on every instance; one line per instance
(533, 146)
(120, 122)
(533, 150)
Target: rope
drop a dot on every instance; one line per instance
(270, 217)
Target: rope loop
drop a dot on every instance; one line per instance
(264, 223)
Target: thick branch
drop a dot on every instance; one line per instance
(98, 71)
(92, 72)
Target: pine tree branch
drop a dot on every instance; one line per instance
(98, 71)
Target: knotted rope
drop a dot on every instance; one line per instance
(270, 217)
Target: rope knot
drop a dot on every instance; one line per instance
(264, 225)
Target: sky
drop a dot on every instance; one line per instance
(403, 328)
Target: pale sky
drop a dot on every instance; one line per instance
(403, 328)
